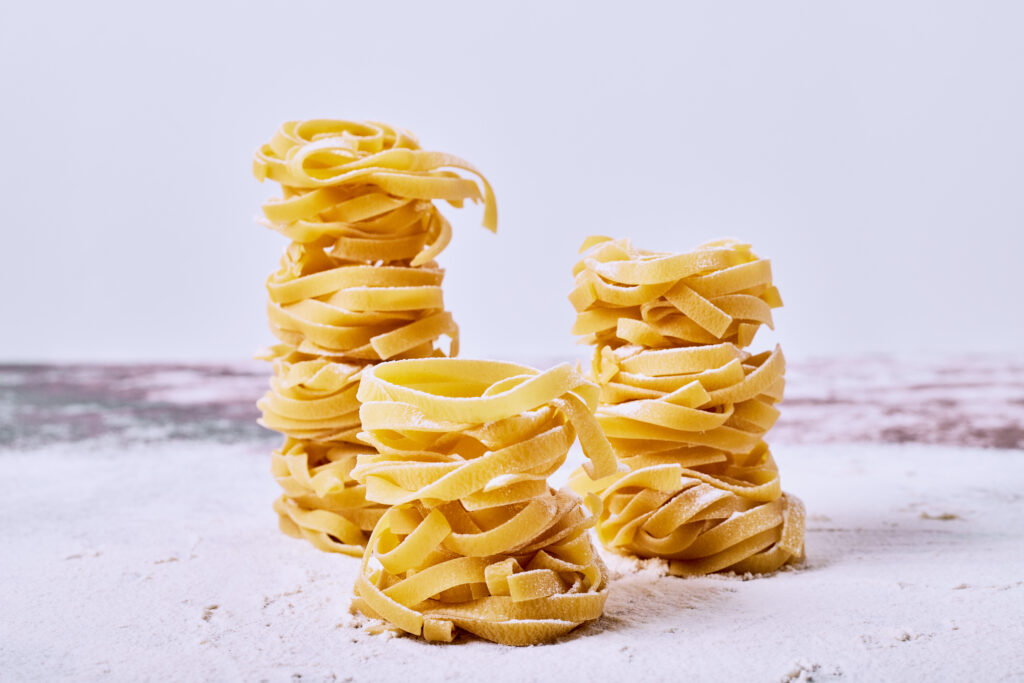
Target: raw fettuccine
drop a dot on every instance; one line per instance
(357, 285)
(685, 411)
(476, 539)
(321, 502)
(720, 291)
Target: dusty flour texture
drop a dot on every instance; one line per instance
(163, 562)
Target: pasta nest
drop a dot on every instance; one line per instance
(685, 407)
(702, 488)
(366, 190)
(358, 312)
(321, 502)
(312, 399)
(719, 292)
(476, 538)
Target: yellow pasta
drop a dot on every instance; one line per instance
(357, 312)
(312, 399)
(321, 502)
(357, 285)
(475, 538)
(685, 407)
(367, 189)
(721, 291)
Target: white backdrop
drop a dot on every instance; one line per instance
(873, 150)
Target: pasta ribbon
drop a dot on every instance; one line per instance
(357, 285)
(686, 414)
(476, 539)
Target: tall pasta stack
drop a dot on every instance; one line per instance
(686, 406)
(476, 539)
(357, 285)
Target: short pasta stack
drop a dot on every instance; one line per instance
(686, 407)
(357, 285)
(476, 539)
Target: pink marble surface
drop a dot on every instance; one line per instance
(967, 401)
(956, 401)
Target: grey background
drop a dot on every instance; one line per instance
(873, 150)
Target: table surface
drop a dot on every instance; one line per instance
(139, 542)
(958, 401)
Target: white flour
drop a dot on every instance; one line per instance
(164, 563)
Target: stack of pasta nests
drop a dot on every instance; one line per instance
(686, 407)
(357, 285)
(476, 538)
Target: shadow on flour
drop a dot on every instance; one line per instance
(648, 600)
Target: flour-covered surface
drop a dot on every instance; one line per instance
(139, 544)
(163, 562)
(972, 400)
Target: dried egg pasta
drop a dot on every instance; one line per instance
(721, 291)
(685, 407)
(476, 539)
(357, 285)
(321, 502)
